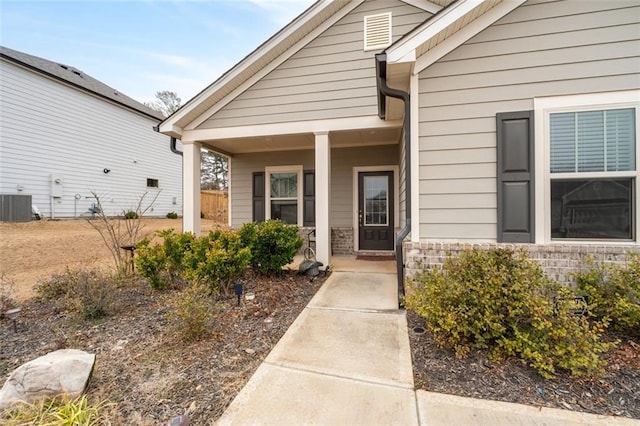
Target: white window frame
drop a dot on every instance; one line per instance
(298, 169)
(543, 108)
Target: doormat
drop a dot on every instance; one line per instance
(375, 258)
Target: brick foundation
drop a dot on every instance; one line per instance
(558, 261)
(341, 239)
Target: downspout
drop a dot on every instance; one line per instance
(384, 90)
(172, 146)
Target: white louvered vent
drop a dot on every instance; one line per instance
(377, 31)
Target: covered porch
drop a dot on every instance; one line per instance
(340, 178)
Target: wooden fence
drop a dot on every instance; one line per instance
(215, 205)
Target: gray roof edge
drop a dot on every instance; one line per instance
(76, 78)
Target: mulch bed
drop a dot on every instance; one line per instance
(616, 392)
(144, 367)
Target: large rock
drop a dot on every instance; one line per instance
(63, 372)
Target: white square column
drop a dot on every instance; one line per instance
(323, 191)
(191, 187)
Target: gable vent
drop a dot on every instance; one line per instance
(377, 31)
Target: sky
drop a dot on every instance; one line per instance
(140, 47)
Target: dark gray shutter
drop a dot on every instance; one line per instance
(258, 196)
(309, 195)
(515, 177)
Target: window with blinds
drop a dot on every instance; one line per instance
(593, 174)
(593, 141)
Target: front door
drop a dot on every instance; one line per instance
(375, 210)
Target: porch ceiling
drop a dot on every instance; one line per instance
(338, 139)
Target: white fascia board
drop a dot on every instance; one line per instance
(292, 128)
(171, 130)
(466, 33)
(431, 28)
(271, 66)
(424, 5)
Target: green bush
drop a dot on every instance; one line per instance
(273, 244)
(172, 215)
(131, 215)
(501, 301)
(614, 292)
(217, 259)
(192, 312)
(162, 263)
(87, 293)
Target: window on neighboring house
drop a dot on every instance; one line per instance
(592, 172)
(152, 183)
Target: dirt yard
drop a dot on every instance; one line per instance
(34, 250)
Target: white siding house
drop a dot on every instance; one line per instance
(489, 123)
(64, 135)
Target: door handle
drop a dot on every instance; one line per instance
(360, 218)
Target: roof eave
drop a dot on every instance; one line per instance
(76, 86)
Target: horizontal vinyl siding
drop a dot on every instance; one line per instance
(331, 77)
(342, 162)
(49, 128)
(543, 48)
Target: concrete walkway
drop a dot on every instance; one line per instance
(346, 360)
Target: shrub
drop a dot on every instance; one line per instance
(162, 263)
(192, 312)
(87, 293)
(217, 259)
(57, 411)
(501, 301)
(273, 244)
(172, 215)
(614, 292)
(131, 215)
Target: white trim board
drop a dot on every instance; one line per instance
(290, 128)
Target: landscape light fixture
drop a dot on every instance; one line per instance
(12, 314)
(238, 289)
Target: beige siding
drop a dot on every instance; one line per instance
(402, 182)
(331, 77)
(540, 49)
(342, 162)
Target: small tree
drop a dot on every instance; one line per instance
(166, 102)
(117, 232)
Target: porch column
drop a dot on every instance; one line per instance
(191, 187)
(323, 191)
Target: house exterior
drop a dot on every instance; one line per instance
(427, 127)
(64, 135)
